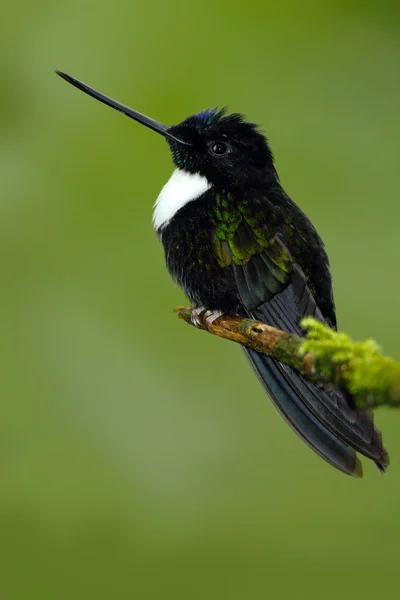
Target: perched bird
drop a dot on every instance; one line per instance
(236, 243)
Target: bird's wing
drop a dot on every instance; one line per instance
(262, 265)
(273, 289)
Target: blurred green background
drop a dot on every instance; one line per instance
(140, 458)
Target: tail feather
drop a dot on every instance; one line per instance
(286, 398)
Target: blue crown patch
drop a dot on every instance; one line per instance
(206, 116)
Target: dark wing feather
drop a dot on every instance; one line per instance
(262, 274)
(274, 289)
(333, 408)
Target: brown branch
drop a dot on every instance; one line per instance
(323, 356)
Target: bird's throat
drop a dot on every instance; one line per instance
(181, 188)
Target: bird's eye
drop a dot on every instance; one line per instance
(219, 148)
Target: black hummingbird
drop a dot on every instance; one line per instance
(236, 243)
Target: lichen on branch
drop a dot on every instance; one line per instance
(323, 355)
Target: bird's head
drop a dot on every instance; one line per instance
(225, 148)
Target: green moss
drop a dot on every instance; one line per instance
(370, 376)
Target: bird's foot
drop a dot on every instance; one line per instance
(197, 313)
(212, 315)
(209, 316)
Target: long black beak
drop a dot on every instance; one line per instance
(129, 112)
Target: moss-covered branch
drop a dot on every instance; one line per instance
(323, 356)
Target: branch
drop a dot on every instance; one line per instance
(323, 356)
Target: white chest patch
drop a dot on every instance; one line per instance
(181, 188)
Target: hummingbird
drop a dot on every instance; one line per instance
(236, 243)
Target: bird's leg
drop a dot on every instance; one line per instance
(209, 315)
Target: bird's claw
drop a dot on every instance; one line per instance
(209, 316)
(196, 314)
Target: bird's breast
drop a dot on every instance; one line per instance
(190, 255)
